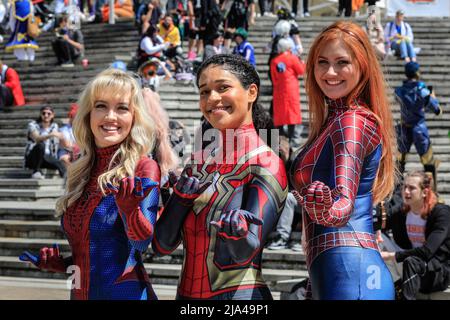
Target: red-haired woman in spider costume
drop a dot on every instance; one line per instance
(346, 166)
(112, 194)
(229, 197)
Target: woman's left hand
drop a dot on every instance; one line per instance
(129, 194)
(234, 224)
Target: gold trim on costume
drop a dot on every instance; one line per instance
(427, 157)
(244, 274)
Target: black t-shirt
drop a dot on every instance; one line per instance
(240, 7)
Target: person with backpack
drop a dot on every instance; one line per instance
(414, 97)
(399, 37)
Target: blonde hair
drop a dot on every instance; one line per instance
(137, 144)
(165, 156)
(370, 89)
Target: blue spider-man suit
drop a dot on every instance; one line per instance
(342, 254)
(106, 242)
(414, 97)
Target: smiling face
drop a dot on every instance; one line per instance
(111, 119)
(223, 100)
(335, 71)
(412, 193)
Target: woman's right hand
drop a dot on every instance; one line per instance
(49, 259)
(189, 186)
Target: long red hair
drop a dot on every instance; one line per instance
(370, 89)
(425, 184)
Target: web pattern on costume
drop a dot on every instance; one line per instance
(208, 267)
(353, 134)
(106, 247)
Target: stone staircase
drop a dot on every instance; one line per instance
(27, 219)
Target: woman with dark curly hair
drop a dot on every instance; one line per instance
(230, 195)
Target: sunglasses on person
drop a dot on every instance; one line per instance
(46, 113)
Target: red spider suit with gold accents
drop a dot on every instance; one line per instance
(246, 182)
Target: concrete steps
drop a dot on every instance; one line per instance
(27, 210)
(27, 220)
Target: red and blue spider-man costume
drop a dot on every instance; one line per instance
(107, 234)
(335, 175)
(245, 194)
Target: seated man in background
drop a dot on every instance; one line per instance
(170, 34)
(421, 231)
(11, 93)
(42, 145)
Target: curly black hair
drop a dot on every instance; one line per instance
(247, 75)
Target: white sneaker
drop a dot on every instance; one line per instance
(67, 65)
(37, 175)
(306, 14)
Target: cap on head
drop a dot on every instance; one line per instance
(241, 32)
(118, 64)
(411, 69)
(400, 13)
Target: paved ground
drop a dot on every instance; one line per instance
(21, 293)
(12, 288)
(36, 289)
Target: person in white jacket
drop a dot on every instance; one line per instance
(399, 37)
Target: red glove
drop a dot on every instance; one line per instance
(49, 259)
(234, 224)
(130, 194)
(319, 199)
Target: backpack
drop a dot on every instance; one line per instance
(33, 27)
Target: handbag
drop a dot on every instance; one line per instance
(33, 27)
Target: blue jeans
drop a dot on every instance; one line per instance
(404, 48)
